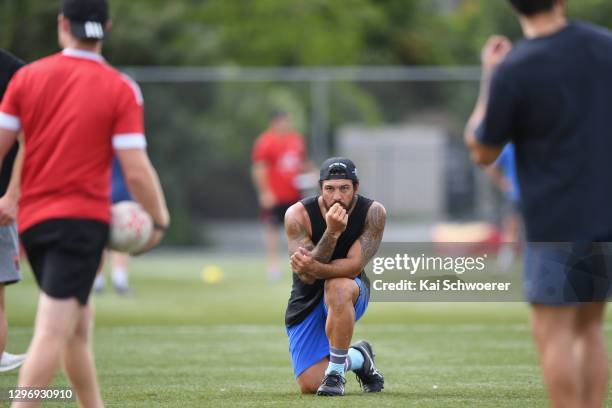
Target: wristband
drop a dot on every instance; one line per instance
(159, 227)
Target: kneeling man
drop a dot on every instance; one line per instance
(332, 236)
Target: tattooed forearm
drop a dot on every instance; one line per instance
(373, 232)
(297, 237)
(325, 248)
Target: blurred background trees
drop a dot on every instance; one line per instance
(280, 33)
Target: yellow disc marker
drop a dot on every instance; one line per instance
(212, 274)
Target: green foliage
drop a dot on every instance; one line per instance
(28, 27)
(299, 32)
(284, 33)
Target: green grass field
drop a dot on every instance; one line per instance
(179, 342)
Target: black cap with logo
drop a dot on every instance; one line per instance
(338, 168)
(87, 18)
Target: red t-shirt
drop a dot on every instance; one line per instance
(284, 155)
(73, 109)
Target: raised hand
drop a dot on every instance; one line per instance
(336, 219)
(494, 51)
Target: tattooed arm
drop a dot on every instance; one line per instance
(299, 239)
(370, 239)
(297, 236)
(358, 256)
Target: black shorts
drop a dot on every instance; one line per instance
(276, 214)
(566, 273)
(65, 255)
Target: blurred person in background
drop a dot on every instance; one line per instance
(550, 96)
(119, 260)
(75, 110)
(9, 241)
(279, 157)
(503, 174)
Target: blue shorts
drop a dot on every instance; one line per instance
(308, 343)
(565, 273)
(120, 193)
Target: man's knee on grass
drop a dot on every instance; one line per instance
(307, 386)
(310, 379)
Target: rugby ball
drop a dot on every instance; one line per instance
(131, 227)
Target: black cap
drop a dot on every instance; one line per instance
(87, 17)
(338, 168)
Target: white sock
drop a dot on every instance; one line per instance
(99, 282)
(120, 277)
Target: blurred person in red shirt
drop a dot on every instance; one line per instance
(279, 157)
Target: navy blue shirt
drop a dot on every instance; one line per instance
(9, 64)
(552, 97)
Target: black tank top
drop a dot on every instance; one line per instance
(304, 298)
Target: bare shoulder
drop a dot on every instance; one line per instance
(377, 208)
(373, 231)
(297, 212)
(296, 218)
(376, 215)
(297, 227)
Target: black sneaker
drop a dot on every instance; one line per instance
(332, 385)
(370, 379)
